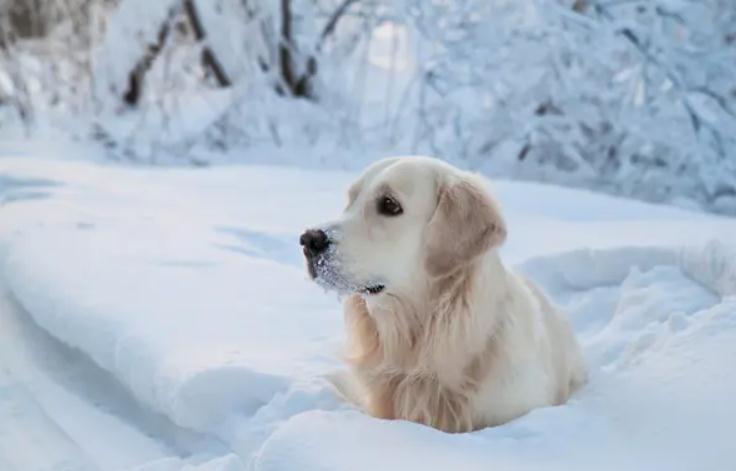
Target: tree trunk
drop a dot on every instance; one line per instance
(209, 59)
(298, 85)
(137, 76)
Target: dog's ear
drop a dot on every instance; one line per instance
(466, 224)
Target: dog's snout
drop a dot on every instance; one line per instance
(314, 241)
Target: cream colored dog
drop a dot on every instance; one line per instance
(439, 331)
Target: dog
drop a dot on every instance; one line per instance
(439, 332)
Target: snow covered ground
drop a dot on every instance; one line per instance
(161, 319)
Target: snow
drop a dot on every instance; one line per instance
(161, 319)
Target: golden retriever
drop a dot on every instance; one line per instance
(439, 331)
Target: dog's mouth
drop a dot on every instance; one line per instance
(373, 289)
(328, 274)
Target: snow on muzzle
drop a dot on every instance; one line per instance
(324, 264)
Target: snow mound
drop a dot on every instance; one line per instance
(203, 312)
(715, 267)
(187, 287)
(214, 358)
(658, 396)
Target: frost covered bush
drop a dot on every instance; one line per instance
(44, 60)
(228, 74)
(633, 97)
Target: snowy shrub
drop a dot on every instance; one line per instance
(634, 97)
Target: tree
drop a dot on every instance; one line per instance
(210, 62)
(634, 96)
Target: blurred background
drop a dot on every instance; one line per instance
(629, 97)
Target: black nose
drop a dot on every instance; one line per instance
(315, 241)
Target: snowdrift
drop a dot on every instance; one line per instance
(188, 287)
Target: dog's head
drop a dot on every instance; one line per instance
(408, 220)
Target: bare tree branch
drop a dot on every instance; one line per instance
(209, 59)
(298, 84)
(332, 23)
(136, 77)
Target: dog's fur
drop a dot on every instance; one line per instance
(455, 340)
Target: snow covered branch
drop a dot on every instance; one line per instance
(636, 97)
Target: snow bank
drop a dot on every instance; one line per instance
(188, 286)
(658, 397)
(201, 313)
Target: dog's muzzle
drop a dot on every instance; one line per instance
(324, 268)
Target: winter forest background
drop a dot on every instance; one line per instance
(157, 315)
(632, 97)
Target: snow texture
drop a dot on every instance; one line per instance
(197, 341)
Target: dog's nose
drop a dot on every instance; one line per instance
(314, 241)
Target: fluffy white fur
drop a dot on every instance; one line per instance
(454, 340)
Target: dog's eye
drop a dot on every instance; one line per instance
(389, 206)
